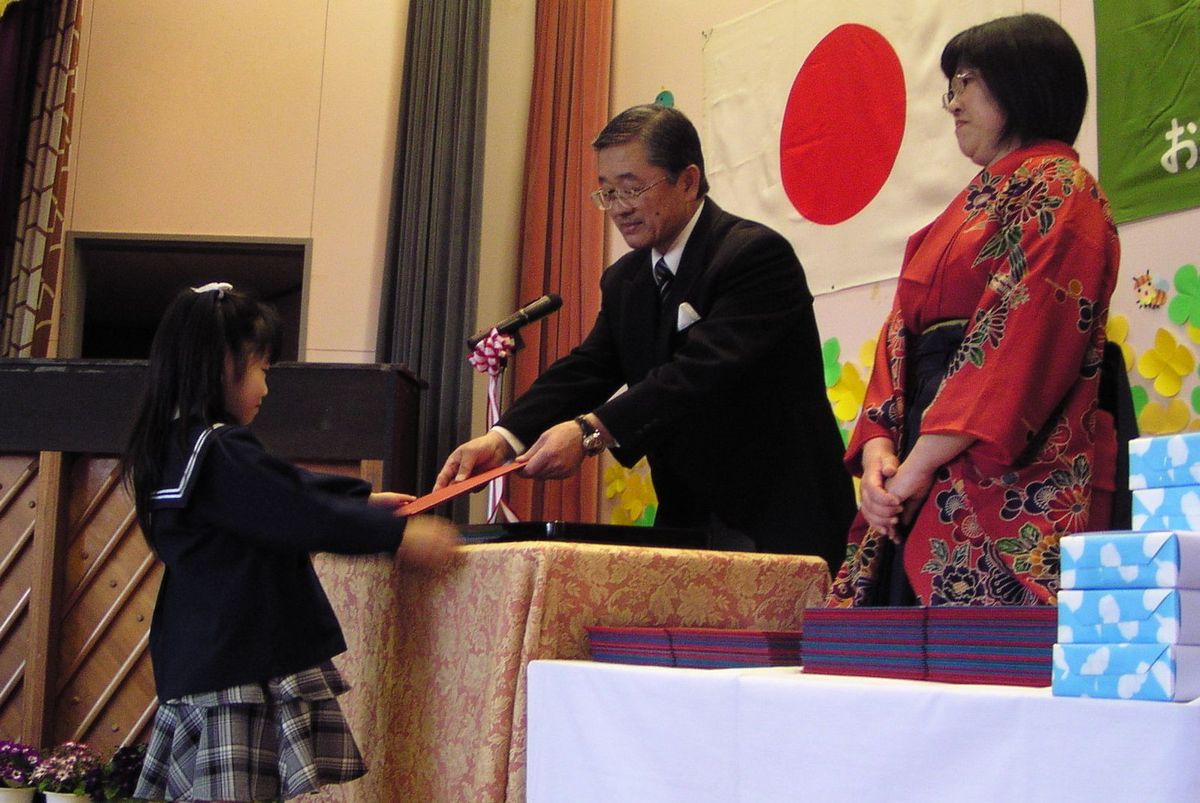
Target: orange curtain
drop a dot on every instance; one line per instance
(33, 304)
(562, 242)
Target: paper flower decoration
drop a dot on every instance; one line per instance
(1166, 364)
(831, 352)
(1140, 398)
(1195, 399)
(847, 394)
(1185, 306)
(1118, 333)
(866, 356)
(632, 492)
(1159, 419)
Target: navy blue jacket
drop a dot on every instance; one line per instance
(234, 526)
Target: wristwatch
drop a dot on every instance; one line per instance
(593, 441)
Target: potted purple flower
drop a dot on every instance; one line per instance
(17, 763)
(63, 775)
(118, 777)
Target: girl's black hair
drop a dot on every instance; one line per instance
(183, 378)
(1033, 70)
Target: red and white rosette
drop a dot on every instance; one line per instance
(491, 357)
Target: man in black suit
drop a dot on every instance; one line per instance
(709, 322)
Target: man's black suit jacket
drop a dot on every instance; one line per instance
(730, 411)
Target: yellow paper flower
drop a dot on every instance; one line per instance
(1159, 419)
(866, 356)
(1167, 363)
(631, 490)
(1193, 333)
(847, 394)
(1118, 333)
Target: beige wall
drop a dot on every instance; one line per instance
(277, 118)
(273, 118)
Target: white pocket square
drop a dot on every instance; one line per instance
(686, 317)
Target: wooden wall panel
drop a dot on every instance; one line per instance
(18, 510)
(104, 687)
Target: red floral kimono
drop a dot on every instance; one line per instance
(1028, 255)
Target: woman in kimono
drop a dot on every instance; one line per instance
(980, 441)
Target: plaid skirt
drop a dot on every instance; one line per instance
(258, 741)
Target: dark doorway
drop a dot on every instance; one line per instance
(119, 285)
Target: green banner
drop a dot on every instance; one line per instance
(1148, 105)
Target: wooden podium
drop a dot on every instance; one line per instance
(77, 580)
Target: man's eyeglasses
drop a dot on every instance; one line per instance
(957, 84)
(604, 199)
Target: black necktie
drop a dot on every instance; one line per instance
(662, 277)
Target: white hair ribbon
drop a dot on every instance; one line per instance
(220, 287)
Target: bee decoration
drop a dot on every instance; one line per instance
(1150, 294)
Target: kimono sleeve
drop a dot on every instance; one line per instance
(883, 406)
(1038, 328)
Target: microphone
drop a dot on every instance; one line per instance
(535, 310)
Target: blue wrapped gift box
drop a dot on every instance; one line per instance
(1128, 559)
(1138, 615)
(1176, 508)
(1164, 460)
(1167, 672)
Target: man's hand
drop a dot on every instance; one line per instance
(480, 454)
(429, 542)
(556, 454)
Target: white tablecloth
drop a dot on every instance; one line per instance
(607, 732)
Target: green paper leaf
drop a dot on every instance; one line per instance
(1141, 398)
(1179, 309)
(1186, 280)
(831, 352)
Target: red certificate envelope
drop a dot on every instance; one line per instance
(423, 503)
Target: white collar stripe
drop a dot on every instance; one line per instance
(177, 492)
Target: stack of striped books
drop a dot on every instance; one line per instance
(695, 647)
(1006, 646)
(1000, 645)
(879, 642)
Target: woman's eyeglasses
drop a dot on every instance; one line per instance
(957, 84)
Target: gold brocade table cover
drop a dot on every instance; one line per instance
(437, 662)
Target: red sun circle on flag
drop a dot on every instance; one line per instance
(843, 124)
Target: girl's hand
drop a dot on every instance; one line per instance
(389, 499)
(429, 543)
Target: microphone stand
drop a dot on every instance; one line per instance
(491, 356)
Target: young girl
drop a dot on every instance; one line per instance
(242, 634)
